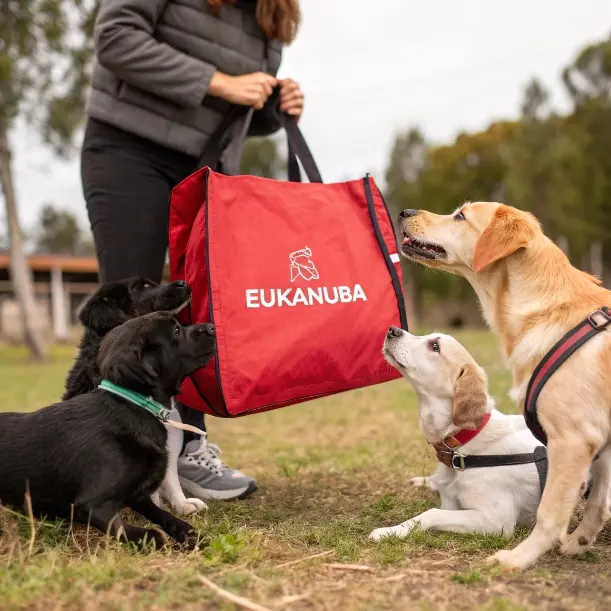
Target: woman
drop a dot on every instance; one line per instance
(166, 73)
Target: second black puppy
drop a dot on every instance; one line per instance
(106, 449)
(110, 306)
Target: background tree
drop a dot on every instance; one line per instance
(588, 81)
(58, 231)
(557, 166)
(406, 165)
(45, 49)
(545, 171)
(261, 157)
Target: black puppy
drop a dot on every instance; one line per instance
(106, 449)
(110, 306)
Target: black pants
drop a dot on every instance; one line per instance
(127, 181)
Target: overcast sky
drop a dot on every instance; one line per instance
(370, 69)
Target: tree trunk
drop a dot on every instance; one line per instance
(21, 275)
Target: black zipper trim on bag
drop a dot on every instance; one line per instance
(398, 251)
(217, 369)
(396, 283)
(192, 377)
(196, 384)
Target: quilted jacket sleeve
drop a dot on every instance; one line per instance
(125, 46)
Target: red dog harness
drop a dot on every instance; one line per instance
(595, 323)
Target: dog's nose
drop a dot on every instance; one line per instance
(181, 284)
(210, 330)
(407, 213)
(394, 332)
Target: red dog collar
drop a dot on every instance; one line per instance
(444, 449)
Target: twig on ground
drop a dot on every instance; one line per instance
(445, 561)
(289, 600)
(28, 505)
(349, 567)
(411, 572)
(231, 569)
(257, 578)
(398, 577)
(236, 600)
(304, 559)
(87, 533)
(71, 531)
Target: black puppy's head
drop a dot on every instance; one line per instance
(154, 353)
(117, 302)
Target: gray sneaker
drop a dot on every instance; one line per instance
(203, 475)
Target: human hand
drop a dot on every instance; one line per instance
(246, 90)
(291, 98)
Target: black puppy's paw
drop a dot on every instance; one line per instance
(143, 537)
(193, 541)
(182, 532)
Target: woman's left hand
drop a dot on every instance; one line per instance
(291, 98)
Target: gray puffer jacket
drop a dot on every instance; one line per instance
(154, 62)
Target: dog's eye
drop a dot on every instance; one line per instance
(434, 346)
(145, 285)
(459, 216)
(177, 330)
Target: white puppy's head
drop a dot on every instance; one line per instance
(443, 373)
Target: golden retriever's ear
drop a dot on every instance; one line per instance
(470, 398)
(508, 231)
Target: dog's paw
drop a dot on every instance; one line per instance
(507, 559)
(576, 544)
(189, 539)
(142, 537)
(381, 533)
(154, 535)
(401, 531)
(189, 507)
(421, 482)
(182, 532)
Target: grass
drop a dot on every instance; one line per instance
(329, 472)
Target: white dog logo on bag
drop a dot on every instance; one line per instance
(302, 265)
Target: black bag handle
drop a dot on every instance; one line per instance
(298, 149)
(219, 138)
(228, 132)
(297, 146)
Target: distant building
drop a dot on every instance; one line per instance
(62, 282)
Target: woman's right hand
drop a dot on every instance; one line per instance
(247, 90)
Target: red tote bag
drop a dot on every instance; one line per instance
(301, 280)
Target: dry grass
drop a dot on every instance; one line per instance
(329, 472)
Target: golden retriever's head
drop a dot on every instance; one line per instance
(473, 237)
(440, 368)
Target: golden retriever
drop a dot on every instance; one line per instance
(531, 296)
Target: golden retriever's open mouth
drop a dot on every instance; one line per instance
(413, 247)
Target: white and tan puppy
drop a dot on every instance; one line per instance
(453, 396)
(531, 296)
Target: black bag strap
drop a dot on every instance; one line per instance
(298, 149)
(234, 129)
(222, 135)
